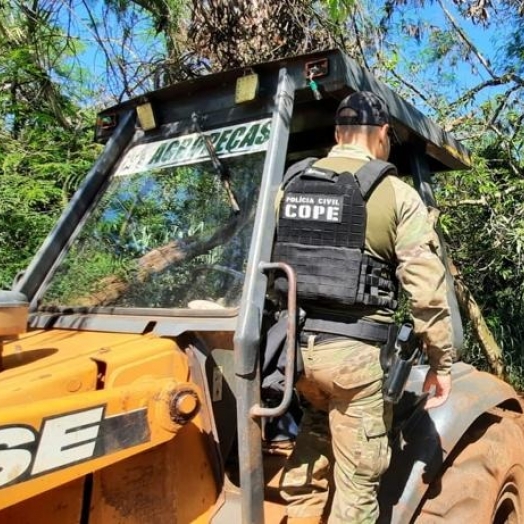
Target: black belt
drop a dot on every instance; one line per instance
(358, 329)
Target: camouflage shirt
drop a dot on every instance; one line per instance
(400, 231)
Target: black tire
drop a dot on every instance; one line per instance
(483, 482)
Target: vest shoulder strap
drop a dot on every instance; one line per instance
(370, 174)
(297, 169)
(320, 173)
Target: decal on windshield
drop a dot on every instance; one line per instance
(190, 149)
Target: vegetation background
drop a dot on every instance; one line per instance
(459, 61)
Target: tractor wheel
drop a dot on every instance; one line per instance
(483, 482)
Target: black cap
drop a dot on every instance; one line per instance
(370, 110)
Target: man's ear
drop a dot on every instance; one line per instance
(336, 135)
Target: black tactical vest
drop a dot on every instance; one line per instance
(321, 234)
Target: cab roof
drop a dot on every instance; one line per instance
(312, 127)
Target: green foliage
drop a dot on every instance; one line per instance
(339, 10)
(83, 279)
(45, 145)
(38, 173)
(26, 215)
(483, 221)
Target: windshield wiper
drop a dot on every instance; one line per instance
(221, 169)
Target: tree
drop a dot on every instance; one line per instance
(486, 111)
(45, 146)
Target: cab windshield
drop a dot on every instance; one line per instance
(165, 233)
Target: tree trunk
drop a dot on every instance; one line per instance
(481, 331)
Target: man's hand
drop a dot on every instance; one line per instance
(442, 385)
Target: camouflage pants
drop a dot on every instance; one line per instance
(342, 385)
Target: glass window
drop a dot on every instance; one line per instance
(164, 236)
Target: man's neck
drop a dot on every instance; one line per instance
(351, 150)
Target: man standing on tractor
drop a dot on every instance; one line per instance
(353, 231)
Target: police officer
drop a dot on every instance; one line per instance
(342, 382)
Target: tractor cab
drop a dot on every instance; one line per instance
(182, 198)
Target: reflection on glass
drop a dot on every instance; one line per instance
(163, 238)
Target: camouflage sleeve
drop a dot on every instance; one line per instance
(422, 276)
